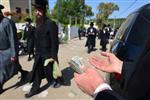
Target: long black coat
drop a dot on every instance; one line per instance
(30, 38)
(136, 82)
(91, 36)
(104, 36)
(8, 49)
(46, 43)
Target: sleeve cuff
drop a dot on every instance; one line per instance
(100, 88)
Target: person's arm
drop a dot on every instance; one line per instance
(53, 35)
(54, 40)
(12, 35)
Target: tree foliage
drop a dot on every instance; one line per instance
(66, 9)
(104, 10)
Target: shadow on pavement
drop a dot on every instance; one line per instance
(67, 76)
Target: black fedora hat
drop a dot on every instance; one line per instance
(1, 7)
(92, 23)
(40, 4)
(28, 20)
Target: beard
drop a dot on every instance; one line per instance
(40, 19)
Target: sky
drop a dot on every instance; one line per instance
(125, 6)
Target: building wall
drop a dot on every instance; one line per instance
(6, 4)
(10, 5)
(22, 4)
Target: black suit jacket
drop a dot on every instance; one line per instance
(136, 84)
(137, 87)
(46, 45)
(108, 95)
(46, 40)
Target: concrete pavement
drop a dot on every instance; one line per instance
(74, 47)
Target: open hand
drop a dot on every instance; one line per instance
(111, 65)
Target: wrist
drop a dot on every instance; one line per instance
(100, 88)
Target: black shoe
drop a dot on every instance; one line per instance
(31, 93)
(51, 84)
(57, 85)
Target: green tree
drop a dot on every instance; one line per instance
(74, 8)
(104, 10)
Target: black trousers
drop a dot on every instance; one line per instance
(41, 72)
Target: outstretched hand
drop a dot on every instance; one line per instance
(111, 65)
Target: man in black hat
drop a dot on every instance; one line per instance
(46, 49)
(29, 32)
(91, 36)
(9, 63)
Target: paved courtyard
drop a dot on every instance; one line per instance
(74, 47)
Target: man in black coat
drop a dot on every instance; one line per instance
(135, 82)
(80, 32)
(29, 31)
(9, 62)
(104, 37)
(91, 37)
(46, 49)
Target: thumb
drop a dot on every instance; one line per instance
(76, 78)
(76, 75)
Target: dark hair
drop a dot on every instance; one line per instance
(1, 7)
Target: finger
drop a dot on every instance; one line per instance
(76, 75)
(106, 54)
(95, 63)
(94, 58)
(84, 68)
(80, 87)
(83, 89)
(76, 78)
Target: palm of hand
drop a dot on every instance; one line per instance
(112, 64)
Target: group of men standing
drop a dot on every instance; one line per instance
(103, 34)
(45, 40)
